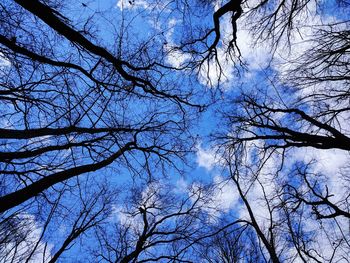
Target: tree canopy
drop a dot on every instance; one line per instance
(174, 131)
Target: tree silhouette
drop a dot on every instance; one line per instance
(101, 107)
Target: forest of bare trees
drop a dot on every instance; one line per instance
(175, 131)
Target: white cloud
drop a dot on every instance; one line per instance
(25, 241)
(259, 194)
(174, 57)
(4, 62)
(129, 216)
(181, 186)
(207, 158)
(129, 4)
(220, 198)
(225, 196)
(257, 57)
(332, 164)
(217, 71)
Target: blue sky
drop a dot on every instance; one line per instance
(160, 27)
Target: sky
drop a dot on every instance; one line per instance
(140, 20)
(262, 67)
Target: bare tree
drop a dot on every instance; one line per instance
(286, 215)
(235, 244)
(45, 232)
(154, 224)
(85, 90)
(71, 106)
